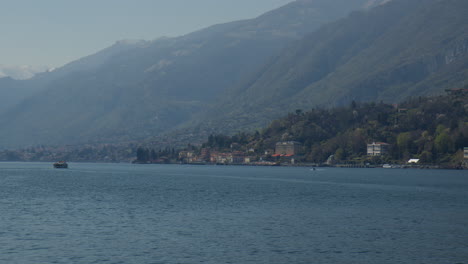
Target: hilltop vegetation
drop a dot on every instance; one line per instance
(401, 49)
(433, 129)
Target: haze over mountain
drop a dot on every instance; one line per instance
(14, 91)
(136, 89)
(400, 49)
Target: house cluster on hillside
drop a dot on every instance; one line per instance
(209, 156)
(285, 152)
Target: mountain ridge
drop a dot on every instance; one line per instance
(396, 50)
(152, 88)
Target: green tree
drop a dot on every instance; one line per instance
(142, 154)
(340, 154)
(443, 143)
(403, 143)
(426, 157)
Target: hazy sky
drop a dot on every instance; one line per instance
(55, 32)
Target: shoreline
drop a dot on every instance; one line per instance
(272, 164)
(312, 165)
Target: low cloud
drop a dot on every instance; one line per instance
(22, 72)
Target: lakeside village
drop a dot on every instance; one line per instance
(423, 132)
(286, 153)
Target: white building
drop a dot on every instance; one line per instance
(377, 149)
(290, 148)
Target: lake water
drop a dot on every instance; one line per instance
(121, 213)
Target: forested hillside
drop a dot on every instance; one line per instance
(433, 129)
(400, 49)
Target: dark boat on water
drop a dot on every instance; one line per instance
(61, 165)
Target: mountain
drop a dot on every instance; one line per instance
(13, 90)
(14, 82)
(133, 90)
(394, 51)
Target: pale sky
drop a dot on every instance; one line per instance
(55, 32)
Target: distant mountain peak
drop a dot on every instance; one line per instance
(116, 93)
(131, 42)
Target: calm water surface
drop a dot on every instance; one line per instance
(121, 213)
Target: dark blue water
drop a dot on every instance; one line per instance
(119, 213)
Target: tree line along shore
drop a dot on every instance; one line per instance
(433, 131)
(426, 131)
